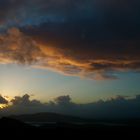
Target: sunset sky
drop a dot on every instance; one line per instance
(88, 49)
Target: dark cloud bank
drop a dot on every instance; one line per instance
(119, 107)
(93, 38)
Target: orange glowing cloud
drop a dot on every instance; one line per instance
(97, 61)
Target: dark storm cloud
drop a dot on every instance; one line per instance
(74, 51)
(117, 107)
(70, 55)
(9, 9)
(99, 10)
(93, 38)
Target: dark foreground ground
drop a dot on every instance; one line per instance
(61, 129)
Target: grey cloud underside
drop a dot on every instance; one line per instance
(119, 107)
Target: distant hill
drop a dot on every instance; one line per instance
(61, 118)
(48, 117)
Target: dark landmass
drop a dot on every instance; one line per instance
(56, 123)
(49, 117)
(9, 123)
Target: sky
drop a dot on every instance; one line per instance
(88, 50)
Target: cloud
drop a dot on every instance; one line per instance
(63, 100)
(24, 101)
(3, 100)
(69, 53)
(92, 39)
(107, 13)
(23, 105)
(117, 107)
(73, 56)
(16, 47)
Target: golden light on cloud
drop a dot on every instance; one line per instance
(2, 106)
(94, 62)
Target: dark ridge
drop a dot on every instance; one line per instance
(49, 117)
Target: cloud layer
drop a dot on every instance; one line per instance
(76, 57)
(93, 39)
(118, 107)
